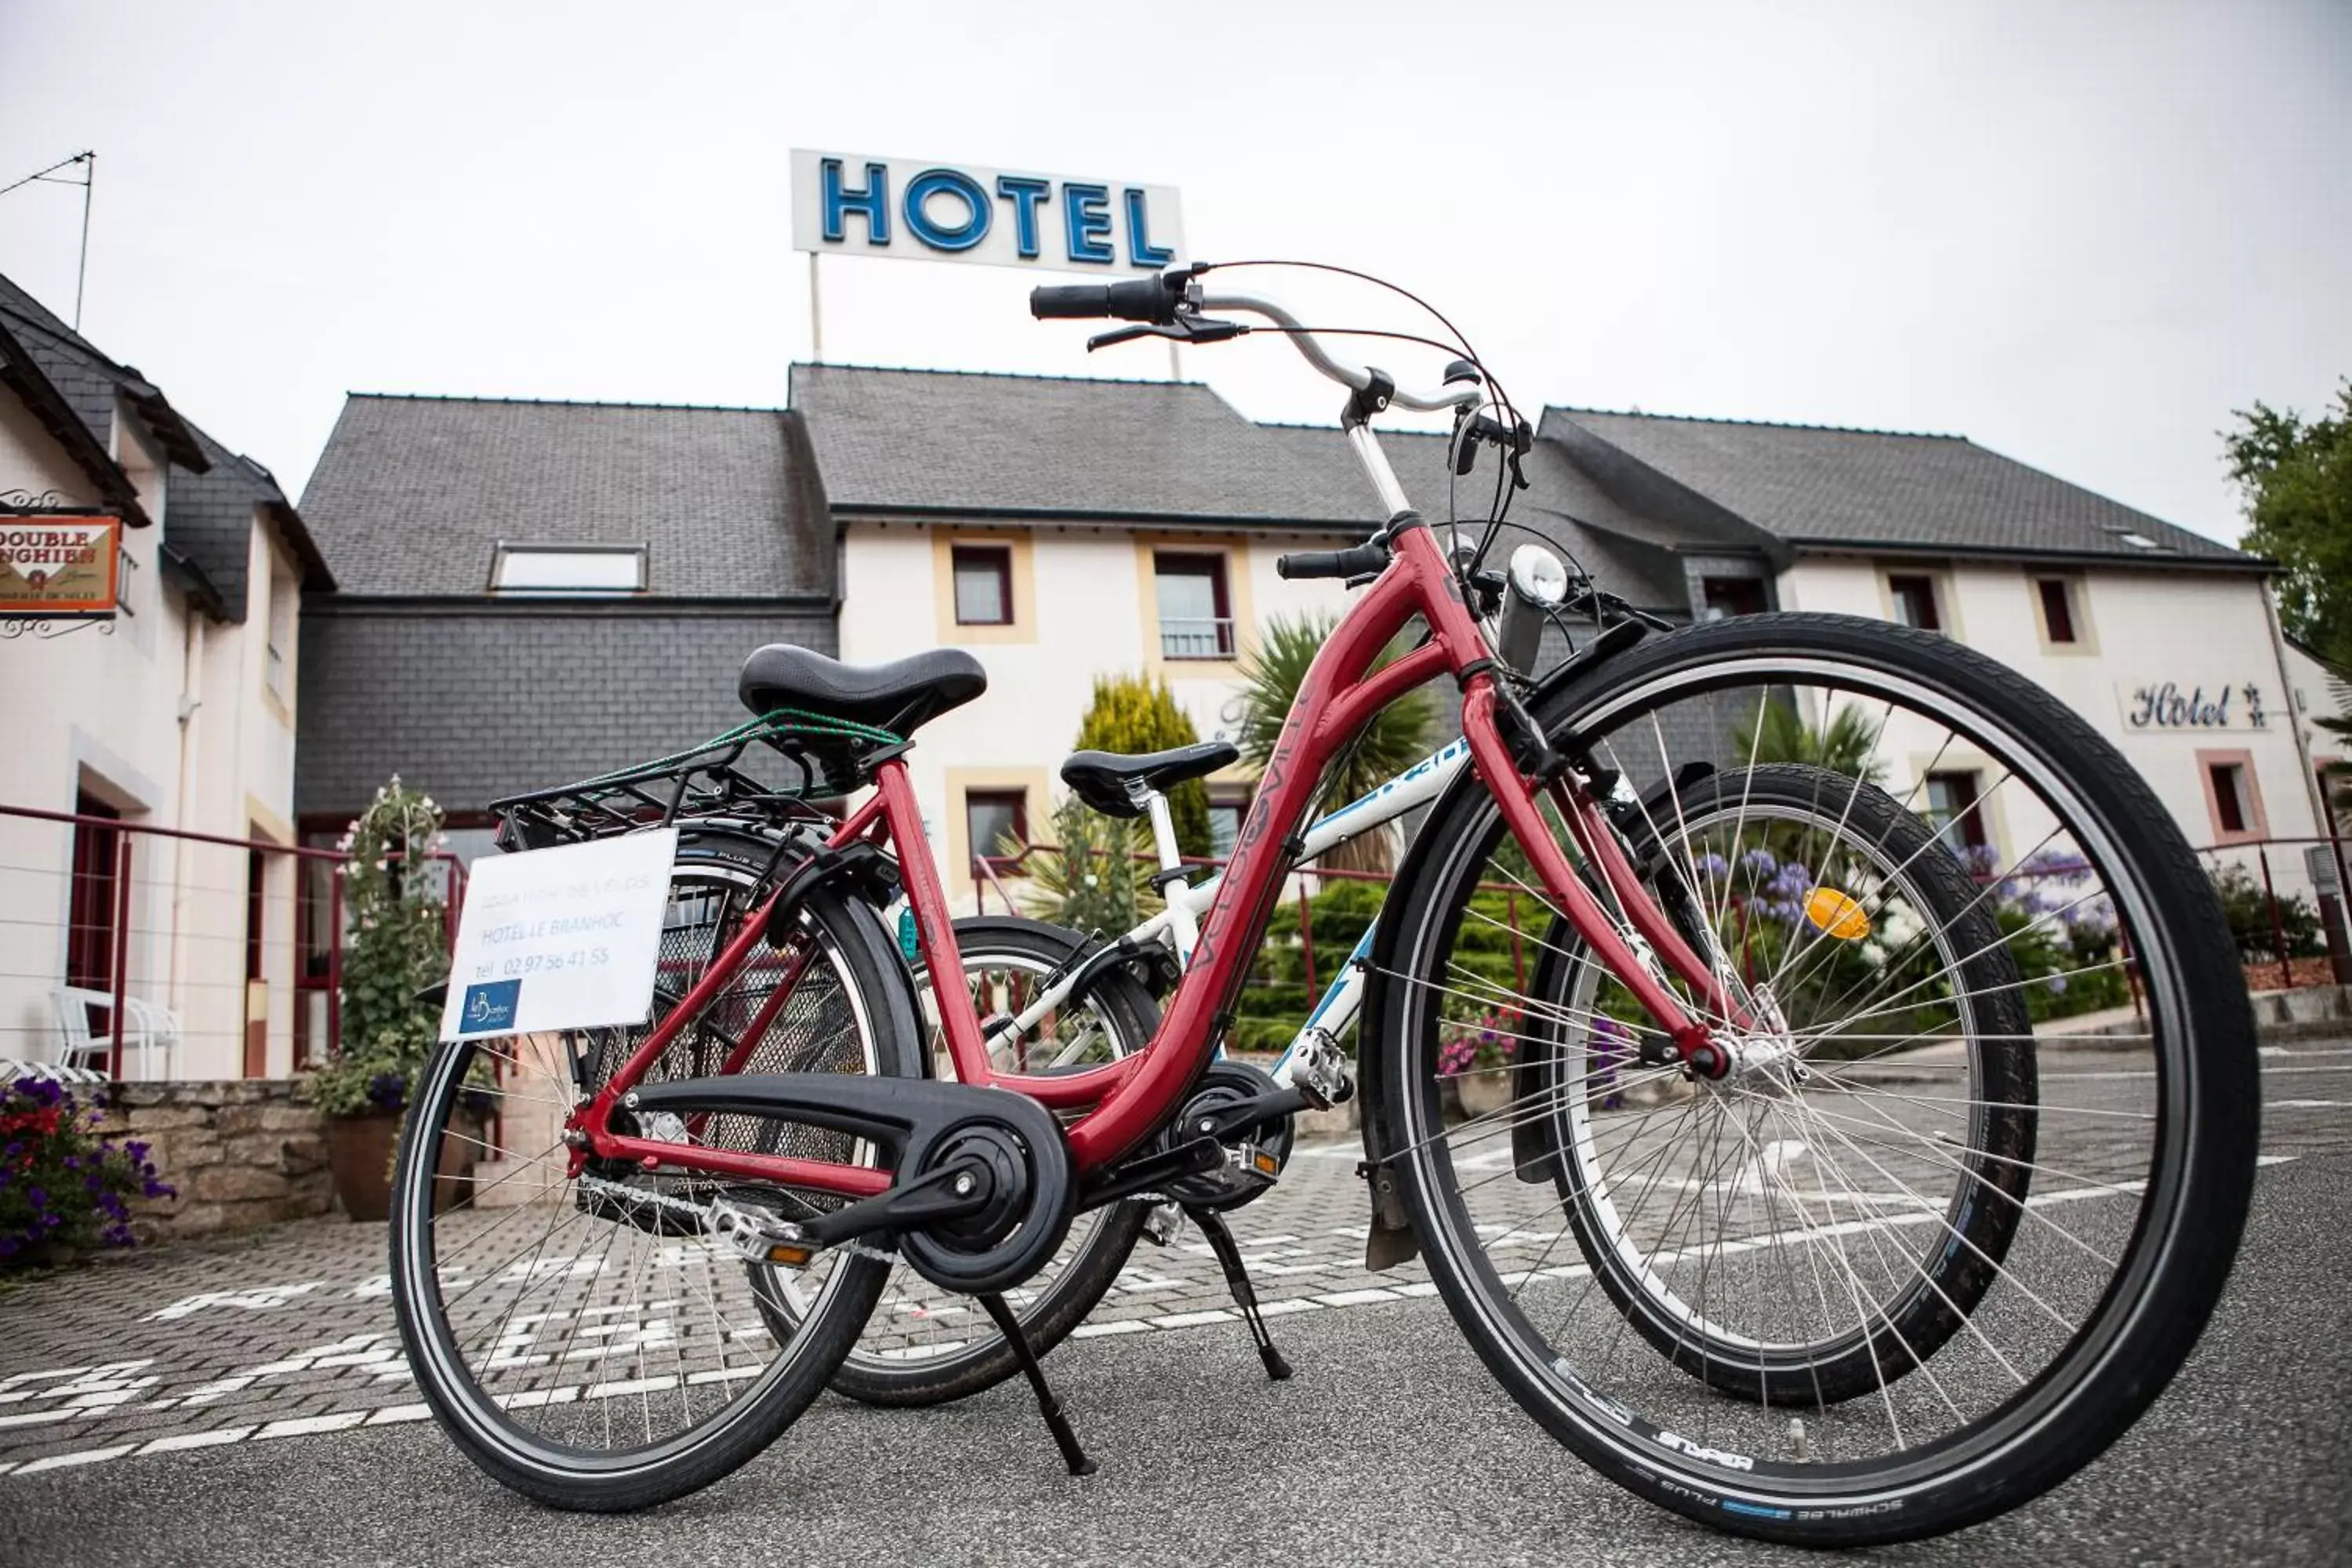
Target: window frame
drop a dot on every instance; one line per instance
(1938, 621)
(1237, 799)
(504, 551)
(998, 560)
(1015, 795)
(1216, 565)
(1970, 819)
(2254, 823)
(1744, 587)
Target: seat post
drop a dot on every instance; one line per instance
(1163, 832)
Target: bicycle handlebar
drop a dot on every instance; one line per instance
(1159, 301)
(1136, 299)
(1354, 562)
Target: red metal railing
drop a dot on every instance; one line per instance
(176, 956)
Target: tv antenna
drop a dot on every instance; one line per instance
(85, 164)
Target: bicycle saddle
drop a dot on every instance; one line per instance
(1110, 782)
(900, 696)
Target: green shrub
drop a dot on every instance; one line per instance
(1130, 714)
(396, 948)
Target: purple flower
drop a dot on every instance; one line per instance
(7, 1245)
(136, 1149)
(41, 1200)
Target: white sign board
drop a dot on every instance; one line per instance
(560, 938)
(917, 210)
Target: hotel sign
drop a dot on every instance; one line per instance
(921, 211)
(2191, 708)
(53, 565)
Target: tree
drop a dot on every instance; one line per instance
(1397, 737)
(1848, 744)
(1096, 877)
(2296, 478)
(1130, 714)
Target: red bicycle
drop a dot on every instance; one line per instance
(1786, 1212)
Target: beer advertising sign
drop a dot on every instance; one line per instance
(53, 566)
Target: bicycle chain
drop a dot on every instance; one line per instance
(708, 1216)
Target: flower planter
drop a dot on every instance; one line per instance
(1484, 1091)
(360, 1151)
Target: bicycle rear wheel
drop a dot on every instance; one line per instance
(590, 1340)
(1915, 1259)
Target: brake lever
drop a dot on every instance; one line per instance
(1183, 330)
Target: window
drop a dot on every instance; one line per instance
(2232, 797)
(1225, 812)
(568, 569)
(257, 874)
(992, 816)
(89, 914)
(1724, 596)
(984, 586)
(1913, 594)
(2057, 608)
(1955, 810)
(284, 595)
(1196, 617)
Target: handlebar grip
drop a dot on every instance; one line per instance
(1351, 562)
(1136, 299)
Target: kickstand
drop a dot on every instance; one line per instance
(1237, 1281)
(1047, 1405)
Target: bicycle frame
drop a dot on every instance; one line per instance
(1178, 924)
(1125, 1102)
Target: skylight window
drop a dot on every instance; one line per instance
(2136, 541)
(568, 569)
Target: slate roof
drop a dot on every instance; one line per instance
(970, 444)
(411, 494)
(1560, 502)
(211, 493)
(1811, 487)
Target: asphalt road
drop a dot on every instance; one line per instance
(1392, 1445)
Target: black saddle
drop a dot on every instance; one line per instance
(898, 697)
(1109, 783)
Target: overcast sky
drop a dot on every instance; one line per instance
(2078, 234)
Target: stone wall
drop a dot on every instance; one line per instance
(243, 1153)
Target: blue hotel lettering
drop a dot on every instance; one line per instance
(1086, 212)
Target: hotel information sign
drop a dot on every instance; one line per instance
(917, 210)
(566, 938)
(53, 565)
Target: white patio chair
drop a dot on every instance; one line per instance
(157, 1029)
(80, 1047)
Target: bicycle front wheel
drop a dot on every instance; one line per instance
(591, 1340)
(1915, 1258)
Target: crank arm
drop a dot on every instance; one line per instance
(1194, 1157)
(926, 1201)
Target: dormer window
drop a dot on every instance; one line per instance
(568, 569)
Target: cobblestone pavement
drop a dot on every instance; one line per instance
(291, 1333)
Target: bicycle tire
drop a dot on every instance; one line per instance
(569, 1475)
(2175, 1252)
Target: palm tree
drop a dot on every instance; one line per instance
(1397, 737)
(1848, 744)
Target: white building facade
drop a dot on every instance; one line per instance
(174, 710)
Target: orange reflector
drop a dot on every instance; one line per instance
(1268, 1165)
(792, 1257)
(1837, 914)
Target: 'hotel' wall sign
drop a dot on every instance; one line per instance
(2168, 708)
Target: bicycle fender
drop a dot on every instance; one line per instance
(1392, 1240)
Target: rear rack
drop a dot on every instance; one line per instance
(834, 756)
